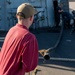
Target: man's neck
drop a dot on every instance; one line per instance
(25, 24)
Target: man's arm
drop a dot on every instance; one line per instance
(60, 10)
(30, 55)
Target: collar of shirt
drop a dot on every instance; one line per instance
(22, 26)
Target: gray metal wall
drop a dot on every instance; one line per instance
(2, 15)
(8, 11)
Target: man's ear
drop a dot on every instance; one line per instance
(17, 16)
(31, 18)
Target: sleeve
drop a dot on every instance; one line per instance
(30, 55)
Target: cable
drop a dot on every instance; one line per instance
(59, 38)
(46, 52)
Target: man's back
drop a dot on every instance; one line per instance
(12, 51)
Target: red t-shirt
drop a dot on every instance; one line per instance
(19, 53)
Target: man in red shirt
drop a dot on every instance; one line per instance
(19, 53)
